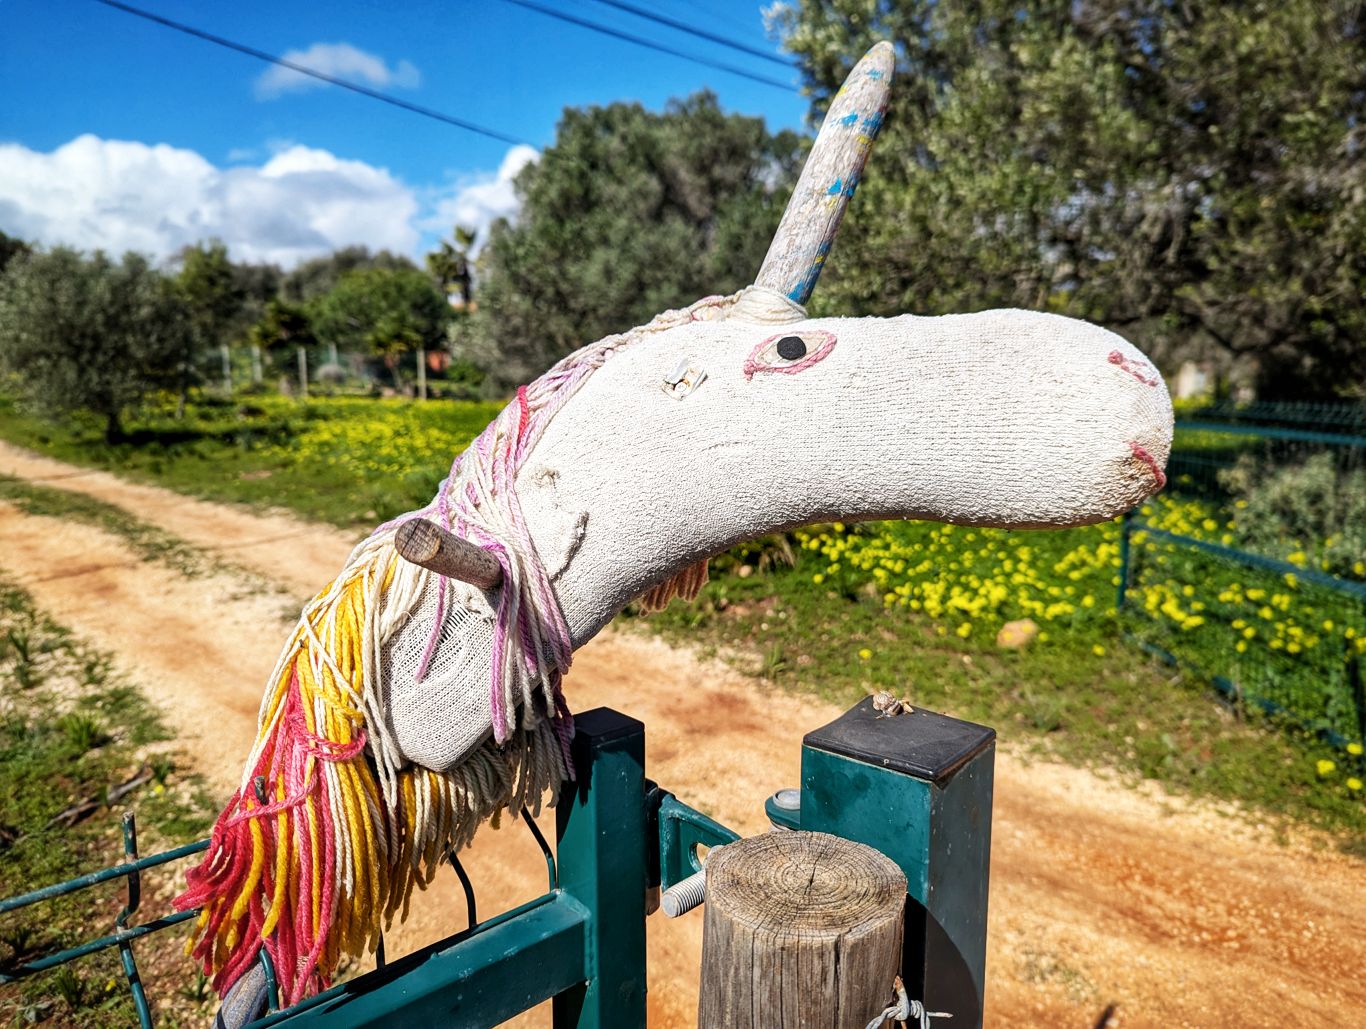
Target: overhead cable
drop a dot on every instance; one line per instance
(693, 30)
(303, 69)
(649, 44)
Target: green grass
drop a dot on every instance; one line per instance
(1083, 691)
(344, 460)
(69, 731)
(1085, 695)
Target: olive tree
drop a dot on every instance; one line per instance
(82, 333)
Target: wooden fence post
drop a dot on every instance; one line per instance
(801, 928)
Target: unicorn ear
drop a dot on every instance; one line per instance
(563, 527)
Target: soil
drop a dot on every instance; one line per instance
(1105, 896)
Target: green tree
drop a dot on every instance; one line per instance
(10, 248)
(282, 326)
(257, 285)
(629, 213)
(1190, 174)
(216, 302)
(387, 312)
(450, 265)
(86, 333)
(313, 278)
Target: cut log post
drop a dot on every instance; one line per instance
(427, 544)
(829, 177)
(801, 929)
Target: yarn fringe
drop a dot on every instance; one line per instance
(331, 829)
(330, 832)
(687, 584)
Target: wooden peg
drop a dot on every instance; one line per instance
(427, 544)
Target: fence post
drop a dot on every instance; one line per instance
(917, 787)
(801, 928)
(226, 355)
(1125, 531)
(303, 373)
(600, 828)
(1358, 688)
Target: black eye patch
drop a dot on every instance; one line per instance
(790, 348)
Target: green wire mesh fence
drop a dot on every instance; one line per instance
(1251, 567)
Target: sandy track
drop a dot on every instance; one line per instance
(1101, 894)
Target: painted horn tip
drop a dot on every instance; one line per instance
(881, 57)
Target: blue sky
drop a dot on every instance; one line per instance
(117, 132)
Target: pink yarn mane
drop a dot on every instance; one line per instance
(529, 626)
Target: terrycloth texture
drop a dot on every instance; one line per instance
(1005, 418)
(408, 709)
(333, 824)
(332, 827)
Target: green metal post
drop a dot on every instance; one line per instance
(600, 826)
(507, 965)
(1126, 528)
(917, 787)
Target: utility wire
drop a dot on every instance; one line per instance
(693, 30)
(355, 87)
(605, 30)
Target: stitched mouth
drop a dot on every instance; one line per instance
(1158, 474)
(1133, 368)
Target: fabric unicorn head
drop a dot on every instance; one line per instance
(407, 707)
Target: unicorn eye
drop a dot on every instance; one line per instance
(789, 352)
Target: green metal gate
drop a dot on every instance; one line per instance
(917, 787)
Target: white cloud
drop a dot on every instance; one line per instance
(116, 195)
(480, 200)
(340, 60)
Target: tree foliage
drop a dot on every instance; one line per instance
(388, 312)
(450, 264)
(629, 213)
(313, 278)
(10, 248)
(212, 291)
(1190, 174)
(282, 325)
(87, 333)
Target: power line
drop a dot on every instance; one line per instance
(693, 30)
(302, 69)
(605, 30)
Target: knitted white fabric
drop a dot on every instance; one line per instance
(438, 718)
(1004, 418)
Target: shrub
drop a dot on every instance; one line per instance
(1314, 509)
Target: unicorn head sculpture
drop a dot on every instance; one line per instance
(410, 705)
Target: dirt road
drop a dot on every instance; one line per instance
(1177, 913)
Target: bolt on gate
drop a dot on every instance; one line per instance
(917, 787)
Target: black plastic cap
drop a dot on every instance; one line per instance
(921, 743)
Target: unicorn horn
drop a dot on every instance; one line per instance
(830, 176)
